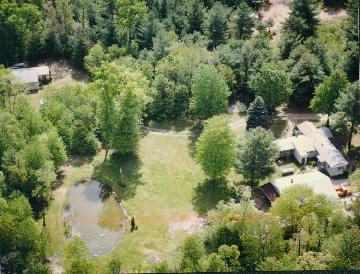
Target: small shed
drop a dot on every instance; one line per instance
(27, 76)
(319, 182)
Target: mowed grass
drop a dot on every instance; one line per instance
(161, 186)
(160, 191)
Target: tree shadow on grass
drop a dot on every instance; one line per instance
(209, 193)
(194, 135)
(119, 174)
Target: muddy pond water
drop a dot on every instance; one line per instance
(95, 216)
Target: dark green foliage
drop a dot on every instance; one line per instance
(348, 104)
(258, 115)
(306, 73)
(352, 40)
(215, 25)
(300, 25)
(243, 22)
(20, 237)
(256, 155)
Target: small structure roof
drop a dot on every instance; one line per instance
(319, 182)
(42, 70)
(285, 144)
(326, 132)
(26, 75)
(303, 145)
(270, 192)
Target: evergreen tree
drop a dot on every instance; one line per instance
(256, 155)
(305, 73)
(243, 22)
(300, 25)
(195, 15)
(348, 104)
(215, 25)
(258, 115)
(352, 40)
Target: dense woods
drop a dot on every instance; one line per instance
(162, 60)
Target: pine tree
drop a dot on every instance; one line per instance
(195, 16)
(243, 22)
(258, 115)
(300, 25)
(126, 134)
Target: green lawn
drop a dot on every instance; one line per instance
(161, 186)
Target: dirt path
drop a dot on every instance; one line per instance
(278, 11)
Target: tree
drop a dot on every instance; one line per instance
(215, 24)
(75, 257)
(214, 263)
(56, 148)
(258, 115)
(273, 84)
(327, 93)
(192, 251)
(348, 104)
(11, 135)
(126, 132)
(261, 237)
(300, 25)
(242, 22)
(162, 107)
(93, 59)
(230, 256)
(195, 15)
(20, 236)
(209, 92)
(305, 73)
(295, 203)
(216, 148)
(352, 40)
(256, 155)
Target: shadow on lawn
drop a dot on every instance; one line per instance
(195, 132)
(119, 173)
(209, 193)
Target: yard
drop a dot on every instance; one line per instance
(163, 188)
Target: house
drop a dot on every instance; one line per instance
(310, 142)
(32, 77)
(28, 77)
(319, 182)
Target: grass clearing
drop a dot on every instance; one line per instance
(162, 186)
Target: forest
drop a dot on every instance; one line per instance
(144, 66)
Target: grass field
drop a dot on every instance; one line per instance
(160, 187)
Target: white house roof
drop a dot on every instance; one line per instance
(307, 128)
(26, 75)
(325, 131)
(303, 145)
(329, 153)
(319, 182)
(42, 70)
(285, 144)
(31, 75)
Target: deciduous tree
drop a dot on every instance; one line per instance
(209, 92)
(216, 148)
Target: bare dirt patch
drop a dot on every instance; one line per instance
(278, 11)
(190, 225)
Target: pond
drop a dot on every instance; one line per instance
(95, 216)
